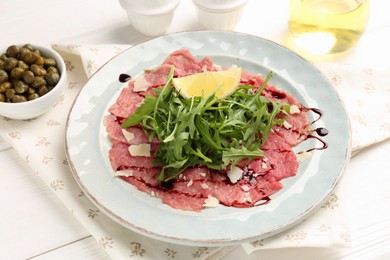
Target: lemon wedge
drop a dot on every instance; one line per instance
(203, 83)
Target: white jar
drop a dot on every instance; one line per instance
(219, 14)
(150, 17)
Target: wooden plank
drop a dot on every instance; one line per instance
(32, 219)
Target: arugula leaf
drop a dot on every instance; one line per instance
(206, 131)
(146, 108)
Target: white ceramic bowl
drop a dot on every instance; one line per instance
(219, 14)
(34, 108)
(150, 17)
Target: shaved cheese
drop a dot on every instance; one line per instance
(139, 150)
(235, 174)
(141, 84)
(211, 202)
(128, 135)
(287, 125)
(245, 187)
(294, 109)
(124, 173)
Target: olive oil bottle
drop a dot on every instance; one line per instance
(327, 27)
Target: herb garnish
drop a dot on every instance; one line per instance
(206, 131)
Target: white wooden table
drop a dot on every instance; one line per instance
(34, 224)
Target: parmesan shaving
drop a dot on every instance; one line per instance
(141, 84)
(294, 109)
(287, 125)
(139, 150)
(211, 202)
(124, 173)
(128, 135)
(234, 174)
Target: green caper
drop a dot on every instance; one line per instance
(32, 96)
(52, 69)
(50, 62)
(2, 97)
(31, 91)
(30, 57)
(38, 70)
(20, 87)
(28, 77)
(10, 93)
(29, 46)
(1, 64)
(37, 52)
(3, 56)
(42, 90)
(10, 63)
(3, 76)
(12, 51)
(52, 78)
(40, 61)
(23, 65)
(23, 51)
(4, 86)
(18, 99)
(17, 73)
(38, 81)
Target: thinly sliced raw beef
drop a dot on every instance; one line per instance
(191, 190)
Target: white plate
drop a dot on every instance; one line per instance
(87, 144)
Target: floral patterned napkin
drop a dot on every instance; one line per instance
(40, 142)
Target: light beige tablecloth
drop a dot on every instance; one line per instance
(41, 143)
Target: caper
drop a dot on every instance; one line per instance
(10, 93)
(10, 63)
(3, 76)
(40, 61)
(17, 73)
(29, 46)
(42, 90)
(50, 62)
(38, 70)
(2, 97)
(23, 65)
(32, 96)
(52, 69)
(30, 57)
(28, 77)
(31, 90)
(12, 51)
(1, 64)
(4, 86)
(20, 87)
(23, 51)
(37, 52)
(52, 78)
(3, 56)
(18, 99)
(38, 81)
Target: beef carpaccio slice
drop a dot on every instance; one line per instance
(196, 188)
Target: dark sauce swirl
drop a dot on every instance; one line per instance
(124, 77)
(320, 131)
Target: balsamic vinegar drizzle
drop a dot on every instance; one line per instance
(321, 131)
(124, 77)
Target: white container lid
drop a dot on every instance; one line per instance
(219, 5)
